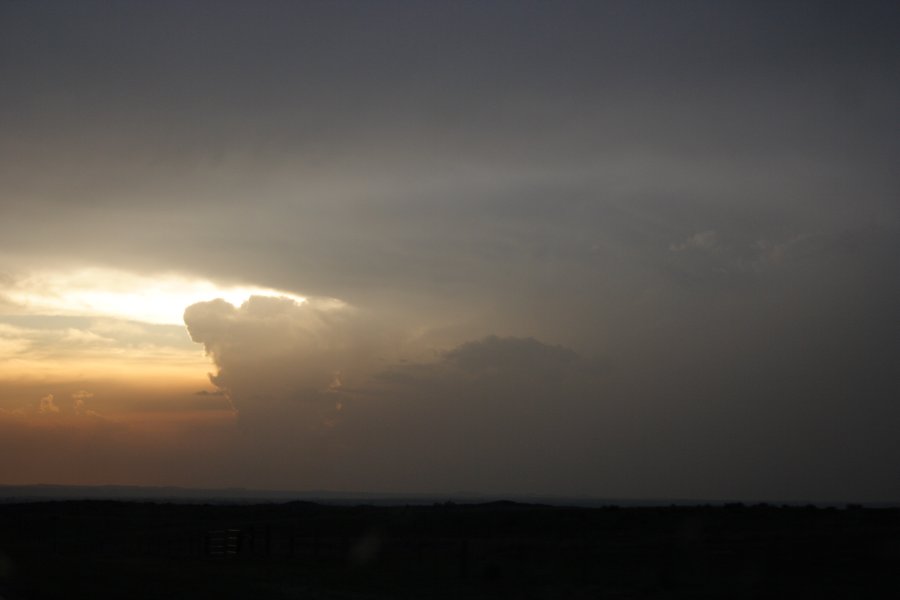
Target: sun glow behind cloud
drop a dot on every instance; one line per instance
(118, 334)
(158, 299)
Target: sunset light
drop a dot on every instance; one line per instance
(159, 299)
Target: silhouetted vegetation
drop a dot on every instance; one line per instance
(105, 549)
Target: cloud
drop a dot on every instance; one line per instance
(47, 405)
(705, 240)
(63, 415)
(79, 404)
(491, 374)
(771, 252)
(486, 414)
(275, 354)
(709, 256)
(497, 413)
(670, 413)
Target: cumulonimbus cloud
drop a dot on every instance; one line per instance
(277, 356)
(307, 380)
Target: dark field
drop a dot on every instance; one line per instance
(100, 549)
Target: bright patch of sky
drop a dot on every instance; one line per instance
(159, 299)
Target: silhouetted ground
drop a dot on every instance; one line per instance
(100, 549)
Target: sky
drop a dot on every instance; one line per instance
(607, 249)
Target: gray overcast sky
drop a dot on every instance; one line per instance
(656, 244)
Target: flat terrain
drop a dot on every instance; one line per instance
(106, 549)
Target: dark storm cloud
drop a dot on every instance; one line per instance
(702, 196)
(495, 413)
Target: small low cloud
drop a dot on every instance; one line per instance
(705, 240)
(771, 252)
(47, 406)
(79, 404)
